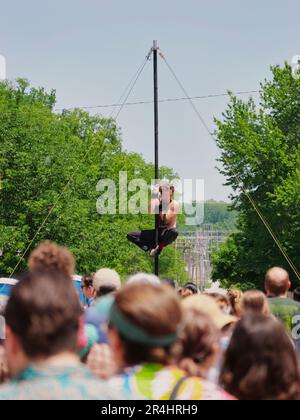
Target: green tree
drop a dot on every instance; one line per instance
(260, 150)
(40, 151)
(218, 214)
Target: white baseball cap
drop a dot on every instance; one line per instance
(107, 278)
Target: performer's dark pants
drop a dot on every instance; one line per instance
(146, 240)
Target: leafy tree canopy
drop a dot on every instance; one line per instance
(40, 151)
(261, 150)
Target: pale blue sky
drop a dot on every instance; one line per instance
(89, 49)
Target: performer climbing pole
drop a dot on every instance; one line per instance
(166, 210)
(162, 205)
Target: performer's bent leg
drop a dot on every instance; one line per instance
(168, 237)
(134, 237)
(144, 240)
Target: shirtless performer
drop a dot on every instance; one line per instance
(162, 201)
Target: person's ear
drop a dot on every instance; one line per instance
(289, 285)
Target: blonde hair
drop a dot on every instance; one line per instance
(235, 297)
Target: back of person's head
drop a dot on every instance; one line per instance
(43, 314)
(235, 297)
(144, 322)
(184, 293)
(106, 281)
(297, 294)
(222, 301)
(52, 257)
(210, 307)
(255, 301)
(277, 282)
(198, 343)
(192, 287)
(144, 278)
(261, 363)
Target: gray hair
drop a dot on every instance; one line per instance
(144, 278)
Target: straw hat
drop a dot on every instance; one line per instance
(208, 306)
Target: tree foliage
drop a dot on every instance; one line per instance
(40, 151)
(217, 214)
(261, 151)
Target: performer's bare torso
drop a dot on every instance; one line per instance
(168, 218)
(164, 205)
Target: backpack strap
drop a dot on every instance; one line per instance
(174, 393)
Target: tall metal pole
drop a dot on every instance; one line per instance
(156, 148)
